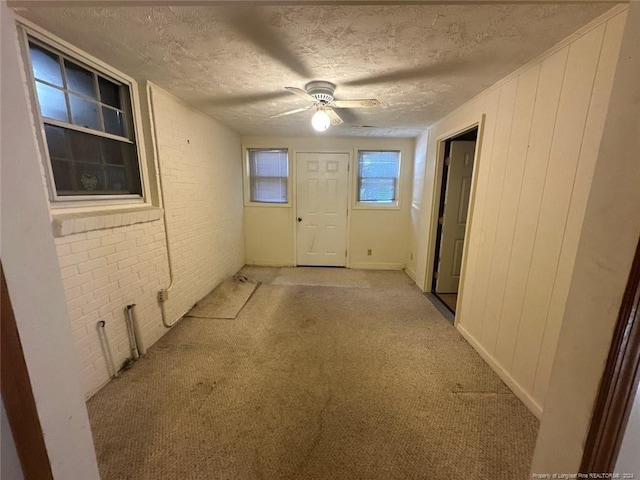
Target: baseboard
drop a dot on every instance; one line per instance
(515, 387)
(376, 266)
(91, 393)
(411, 273)
(269, 263)
(357, 265)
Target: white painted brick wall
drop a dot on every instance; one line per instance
(201, 164)
(105, 270)
(100, 279)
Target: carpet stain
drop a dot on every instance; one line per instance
(324, 374)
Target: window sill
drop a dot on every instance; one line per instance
(73, 223)
(370, 206)
(268, 205)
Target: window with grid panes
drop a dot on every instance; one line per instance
(88, 125)
(378, 173)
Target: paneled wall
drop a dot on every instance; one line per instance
(122, 257)
(607, 245)
(269, 229)
(540, 132)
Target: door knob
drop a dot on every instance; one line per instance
(299, 219)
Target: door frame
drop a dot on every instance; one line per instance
(619, 382)
(294, 210)
(441, 140)
(17, 395)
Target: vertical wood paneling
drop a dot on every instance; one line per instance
(532, 186)
(588, 156)
(572, 112)
(504, 118)
(539, 145)
(482, 174)
(535, 172)
(517, 153)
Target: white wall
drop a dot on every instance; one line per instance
(270, 229)
(113, 256)
(104, 270)
(417, 235)
(201, 170)
(607, 244)
(108, 267)
(33, 277)
(538, 147)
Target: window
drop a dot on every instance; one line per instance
(378, 177)
(88, 125)
(268, 175)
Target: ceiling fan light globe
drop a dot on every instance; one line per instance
(320, 121)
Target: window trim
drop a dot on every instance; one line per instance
(246, 180)
(65, 88)
(27, 29)
(368, 205)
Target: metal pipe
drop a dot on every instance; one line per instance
(132, 334)
(164, 316)
(137, 333)
(106, 349)
(163, 294)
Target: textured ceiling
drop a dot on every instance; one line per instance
(420, 61)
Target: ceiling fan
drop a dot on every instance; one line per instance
(320, 93)
(253, 24)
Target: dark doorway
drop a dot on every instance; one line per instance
(455, 194)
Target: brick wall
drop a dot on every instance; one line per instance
(201, 168)
(105, 267)
(103, 271)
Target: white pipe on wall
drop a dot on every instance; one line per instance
(163, 294)
(131, 334)
(106, 349)
(136, 329)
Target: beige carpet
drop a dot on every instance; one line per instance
(314, 382)
(322, 277)
(226, 300)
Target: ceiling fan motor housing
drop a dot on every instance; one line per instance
(321, 91)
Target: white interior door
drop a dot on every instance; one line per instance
(321, 208)
(456, 208)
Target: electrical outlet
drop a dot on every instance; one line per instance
(163, 295)
(368, 252)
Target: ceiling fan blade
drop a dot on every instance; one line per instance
(290, 112)
(233, 101)
(255, 29)
(365, 103)
(407, 74)
(301, 93)
(349, 116)
(335, 118)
